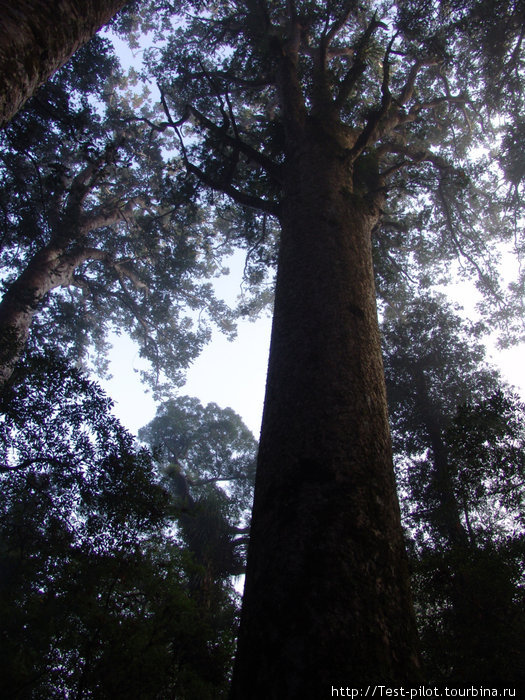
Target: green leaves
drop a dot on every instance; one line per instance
(94, 591)
(208, 456)
(125, 245)
(459, 443)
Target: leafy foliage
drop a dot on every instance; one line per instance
(414, 82)
(95, 594)
(95, 235)
(208, 457)
(459, 439)
(433, 362)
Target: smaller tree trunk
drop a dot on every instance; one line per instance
(447, 517)
(37, 37)
(48, 269)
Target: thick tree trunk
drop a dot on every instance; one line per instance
(37, 37)
(327, 599)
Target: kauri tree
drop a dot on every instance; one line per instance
(334, 120)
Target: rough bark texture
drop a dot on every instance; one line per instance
(327, 599)
(37, 37)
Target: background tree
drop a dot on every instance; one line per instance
(208, 457)
(459, 441)
(37, 37)
(94, 237)
(95, 593)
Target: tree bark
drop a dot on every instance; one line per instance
(37, 37)
(327, 601)
(49, 268)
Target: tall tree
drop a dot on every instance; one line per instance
(37, 37)
(311, 113)
(101, 239)
(459, 440)
(433, 364)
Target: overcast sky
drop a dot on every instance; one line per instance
(234, 373)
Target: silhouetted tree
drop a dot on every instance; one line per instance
(459, 443)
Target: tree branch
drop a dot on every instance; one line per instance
(243, 198)
(408, 90)
(253, 154)
(415, 155)
(413, 112)
(358, 66)
(333, 31)
(102, 216)
(84, 181)
(451, 229)
(369, 133)
(30, 461)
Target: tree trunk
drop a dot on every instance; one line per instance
(446, 518)
(48, 269)
(37, 37)
(327, 599)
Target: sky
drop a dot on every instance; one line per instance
(229, 373)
